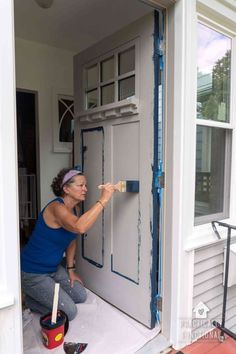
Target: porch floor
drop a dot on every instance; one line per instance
(210, 344)
(106, 330)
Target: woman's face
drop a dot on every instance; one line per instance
(77, 189)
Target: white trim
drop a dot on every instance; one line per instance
(218, 11)
(229, 3)
(6, 299)
(232, 206)
(214, 123)
(204, 236)
(11, 330)
(125, 108)
(181, 137)
(215, 25)
(157, 4)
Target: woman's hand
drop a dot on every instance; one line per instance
(107, 191)
(74, 277)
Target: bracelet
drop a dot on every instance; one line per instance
(70, 267)
(99, 201)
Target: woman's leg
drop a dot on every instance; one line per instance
(77, 293)
(35, 306)
(39, 289)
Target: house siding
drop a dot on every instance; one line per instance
(208, 288)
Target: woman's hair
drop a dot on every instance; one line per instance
(57, 182)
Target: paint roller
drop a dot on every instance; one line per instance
(125, 186)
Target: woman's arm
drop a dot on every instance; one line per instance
(83, 223)
(70, 256)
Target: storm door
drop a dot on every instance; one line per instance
(114, 140)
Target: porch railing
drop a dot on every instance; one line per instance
(221, 326)
(27, 197)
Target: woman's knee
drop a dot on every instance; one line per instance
(80, 295)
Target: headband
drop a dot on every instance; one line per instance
(69, 175)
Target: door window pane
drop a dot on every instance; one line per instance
(92, 76)
(108, 94)
(66, 119)
(213, 75)
(92, 99)
(210, 171)
(126, 88)
(127, 61)
(107, 69)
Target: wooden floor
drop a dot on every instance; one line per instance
(210, 345)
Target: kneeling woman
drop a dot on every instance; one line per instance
(55, 233)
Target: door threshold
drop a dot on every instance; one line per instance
(158, 345)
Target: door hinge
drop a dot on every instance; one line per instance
(159, 178)
(159, 303)
(161, 47)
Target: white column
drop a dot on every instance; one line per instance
(180, 167)
(10, 299)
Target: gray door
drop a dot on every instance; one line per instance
(118, 257)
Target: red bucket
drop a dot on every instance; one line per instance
(53, 334)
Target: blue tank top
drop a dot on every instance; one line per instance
(46, 246)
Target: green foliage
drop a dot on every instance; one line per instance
(214, 102)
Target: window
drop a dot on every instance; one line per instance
(63, 120)
(213, 140)
(66, 119)
(111, 79)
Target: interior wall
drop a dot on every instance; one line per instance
(45, 69)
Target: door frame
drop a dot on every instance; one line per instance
(10, 287)
(36, 98)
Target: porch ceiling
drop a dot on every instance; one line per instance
(74, 24)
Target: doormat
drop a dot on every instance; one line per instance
(106, 330)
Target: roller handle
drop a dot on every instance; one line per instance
(118, 186)
(55, 303)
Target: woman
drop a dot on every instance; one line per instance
(55, 233)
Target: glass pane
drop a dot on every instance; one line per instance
(108, 94)
(92, 99)
(126, 88)
(66, 120)
(210, 171)
(127, 61)
(107, 69)
(213, 74)
(92, 76)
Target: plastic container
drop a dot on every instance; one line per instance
(53, 334)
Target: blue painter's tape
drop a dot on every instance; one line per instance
(155, 222)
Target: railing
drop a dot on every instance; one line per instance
(27, 197)
(221, 326)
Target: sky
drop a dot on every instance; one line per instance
(212, 46)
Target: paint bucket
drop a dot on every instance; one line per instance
(53, 334)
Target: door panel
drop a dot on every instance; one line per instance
(125, 212)
(93, 166)
(117, 259)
